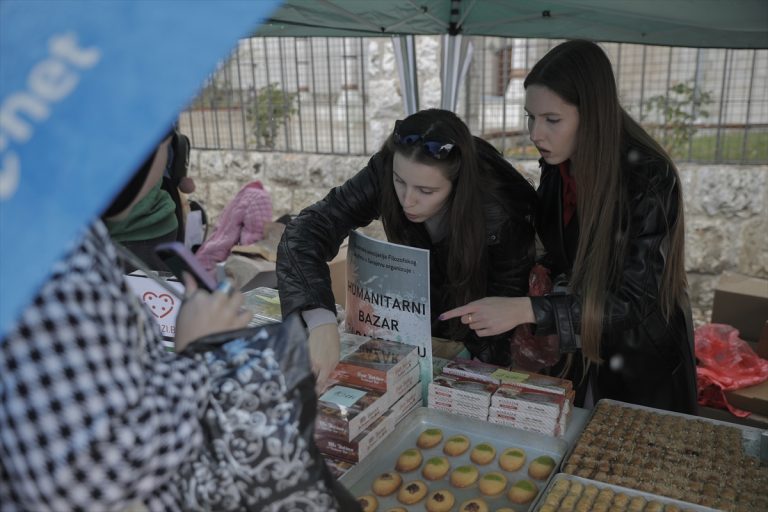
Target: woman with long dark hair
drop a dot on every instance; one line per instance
(434, 186)
(611, 221)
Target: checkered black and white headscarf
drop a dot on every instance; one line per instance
(94, 414)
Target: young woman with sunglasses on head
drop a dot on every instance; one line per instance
(611, 221)
(434, 186)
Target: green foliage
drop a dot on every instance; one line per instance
(678, 109)
(267, 112)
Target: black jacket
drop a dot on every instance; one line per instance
(648, 361)
(315, 235)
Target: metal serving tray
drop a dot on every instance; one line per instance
(750, 436)
(684, 505)
(360, 478)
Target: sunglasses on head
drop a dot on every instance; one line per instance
(436, 149)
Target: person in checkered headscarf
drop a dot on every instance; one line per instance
(94, 413)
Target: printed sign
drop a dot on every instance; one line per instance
(388, 295)
(163, 305)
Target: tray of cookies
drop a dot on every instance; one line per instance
(439, 462)
(692, 459)
(575, 494)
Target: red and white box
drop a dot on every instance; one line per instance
(473, 369)
(535, 381)
(515, 398)
(376, 364)
(524, 421)
(460, 390)
(359, 448)
(345, 411)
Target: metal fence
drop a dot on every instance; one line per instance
(311, 95)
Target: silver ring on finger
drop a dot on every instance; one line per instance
(225, 287)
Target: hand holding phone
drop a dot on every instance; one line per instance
(179, 259)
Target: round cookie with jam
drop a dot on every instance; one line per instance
(456, 445)
(541, 467)
(368, 503)
(493, 483)
(430, 438)
(512, 459)
(474, 505)
(396, 509)
(464, 476)
(409, 460)
(387, 483)
(483, 454)
(522, 491)
(436, 468)
(412, 492)
(440, 501)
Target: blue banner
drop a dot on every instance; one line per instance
(86, 89)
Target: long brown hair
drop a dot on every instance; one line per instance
(581, 74)
(466, 271)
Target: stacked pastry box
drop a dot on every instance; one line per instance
(520, 399)
(374, 386)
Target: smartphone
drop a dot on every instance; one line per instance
(179, 259)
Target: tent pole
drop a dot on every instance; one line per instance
(405, 56)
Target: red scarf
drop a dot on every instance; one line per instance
(569, 192)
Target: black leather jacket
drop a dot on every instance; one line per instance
(315, 235)
(648, 361)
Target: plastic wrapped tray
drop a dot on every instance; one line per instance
(616, 504)
(383, 459)
(684, 457)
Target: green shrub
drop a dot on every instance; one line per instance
(267, 112)
(678, 109)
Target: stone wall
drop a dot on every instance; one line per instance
(726, 206)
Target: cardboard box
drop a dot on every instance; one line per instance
(338, 268)
(359, 448)
(742, 302)
(376, 364)
(753, 398)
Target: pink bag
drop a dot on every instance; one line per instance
(725, 362)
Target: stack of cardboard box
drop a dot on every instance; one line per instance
(372, 388)
(534, 402)
(516, 398)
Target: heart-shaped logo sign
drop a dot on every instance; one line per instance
(160, 305)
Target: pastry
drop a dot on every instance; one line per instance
(436, 468)
(440, 501)
(522, 491)
(464, 476)
(483, 453)
(474, 505)
(412, 492)
(429, 438)
(456, 445)
(541, 467)
(409, 460)
(492, 483)
(368, 503)
(387, 483)
(396, 509)
(512, 459)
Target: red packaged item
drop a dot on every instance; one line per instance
(529, 351)
(376, 364)
(725, 362)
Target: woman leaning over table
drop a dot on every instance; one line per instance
(611, 223)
